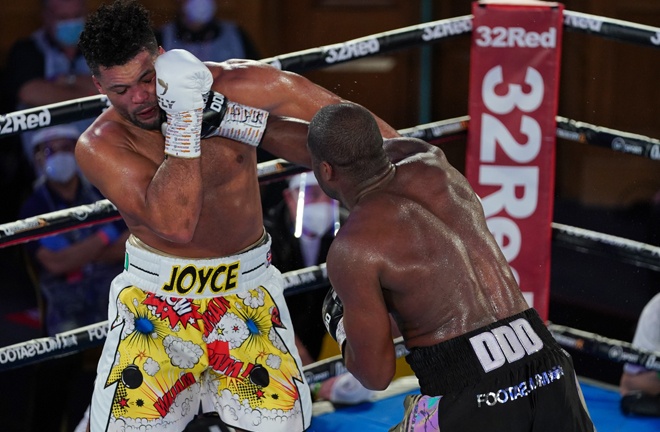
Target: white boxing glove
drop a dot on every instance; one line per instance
(182, 81)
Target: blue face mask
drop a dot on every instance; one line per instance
(67, 32)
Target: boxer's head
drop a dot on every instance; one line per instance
(346, 147)
(120, 48)
(115, 34)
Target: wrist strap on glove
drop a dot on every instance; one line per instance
(232, 120)
(182, 137)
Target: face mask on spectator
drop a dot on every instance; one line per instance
(60, 167)
(318, 218)
(67, 32)
(199, 11)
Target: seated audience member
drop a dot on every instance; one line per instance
(74, 268)
(197, 30)
(72, 271)
(47, 67)
(302, 226)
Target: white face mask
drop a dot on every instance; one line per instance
(199, 11)
(60, 167)
(318, 218)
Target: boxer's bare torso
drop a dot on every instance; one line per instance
(441, 272)
(460, 268)
(204, 207)
(230, 216)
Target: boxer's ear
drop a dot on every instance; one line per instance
(97, 84)
(326, 171)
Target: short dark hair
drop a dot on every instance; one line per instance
(347, 136)
(115, 33)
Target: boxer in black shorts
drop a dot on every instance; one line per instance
(478, 380)
(416, 247)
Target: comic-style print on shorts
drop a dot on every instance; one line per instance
(172, 348)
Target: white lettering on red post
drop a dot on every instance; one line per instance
(510, 159)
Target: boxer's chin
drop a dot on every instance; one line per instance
(149, 120)
(146, 125)
(153, 125)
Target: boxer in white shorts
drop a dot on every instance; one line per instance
(176, 153)
(208, 330)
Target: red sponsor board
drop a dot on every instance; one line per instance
(510, 161)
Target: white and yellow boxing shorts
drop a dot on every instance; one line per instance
(185, 332)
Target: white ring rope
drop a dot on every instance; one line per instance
(35, 227)
(299, 61)
(65, 112)
(72, 341)
(630, 251)
(605, 348)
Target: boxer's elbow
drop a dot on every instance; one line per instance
(377, 381)
(182, 234)
(173, 221)
(374, 374)
(176, 230)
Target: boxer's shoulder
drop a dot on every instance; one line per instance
(111, 132)
(236, 70)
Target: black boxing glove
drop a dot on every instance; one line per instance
(333, 317)
(228, 119)
(215, 109)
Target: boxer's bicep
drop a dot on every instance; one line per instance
(281, 93)
(369, 352)
(118, 172)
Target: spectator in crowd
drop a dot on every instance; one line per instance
(197, 30)
(72, 273)
(640, 387)
(302, 228)
(303, 225)
(74, 269)
(47, 66)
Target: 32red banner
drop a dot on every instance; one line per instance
(510, 161)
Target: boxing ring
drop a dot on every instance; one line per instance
(386, 408)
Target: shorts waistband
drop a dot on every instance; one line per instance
(173, 276)
(465, 360)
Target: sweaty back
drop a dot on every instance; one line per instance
(442, 271)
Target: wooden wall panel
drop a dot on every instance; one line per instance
(18, 19)
(612, 84)
(386, 84)
(603, 82)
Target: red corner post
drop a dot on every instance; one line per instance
(510, 161)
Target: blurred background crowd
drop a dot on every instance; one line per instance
(60, 282)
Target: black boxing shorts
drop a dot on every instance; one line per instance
(508, 376)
